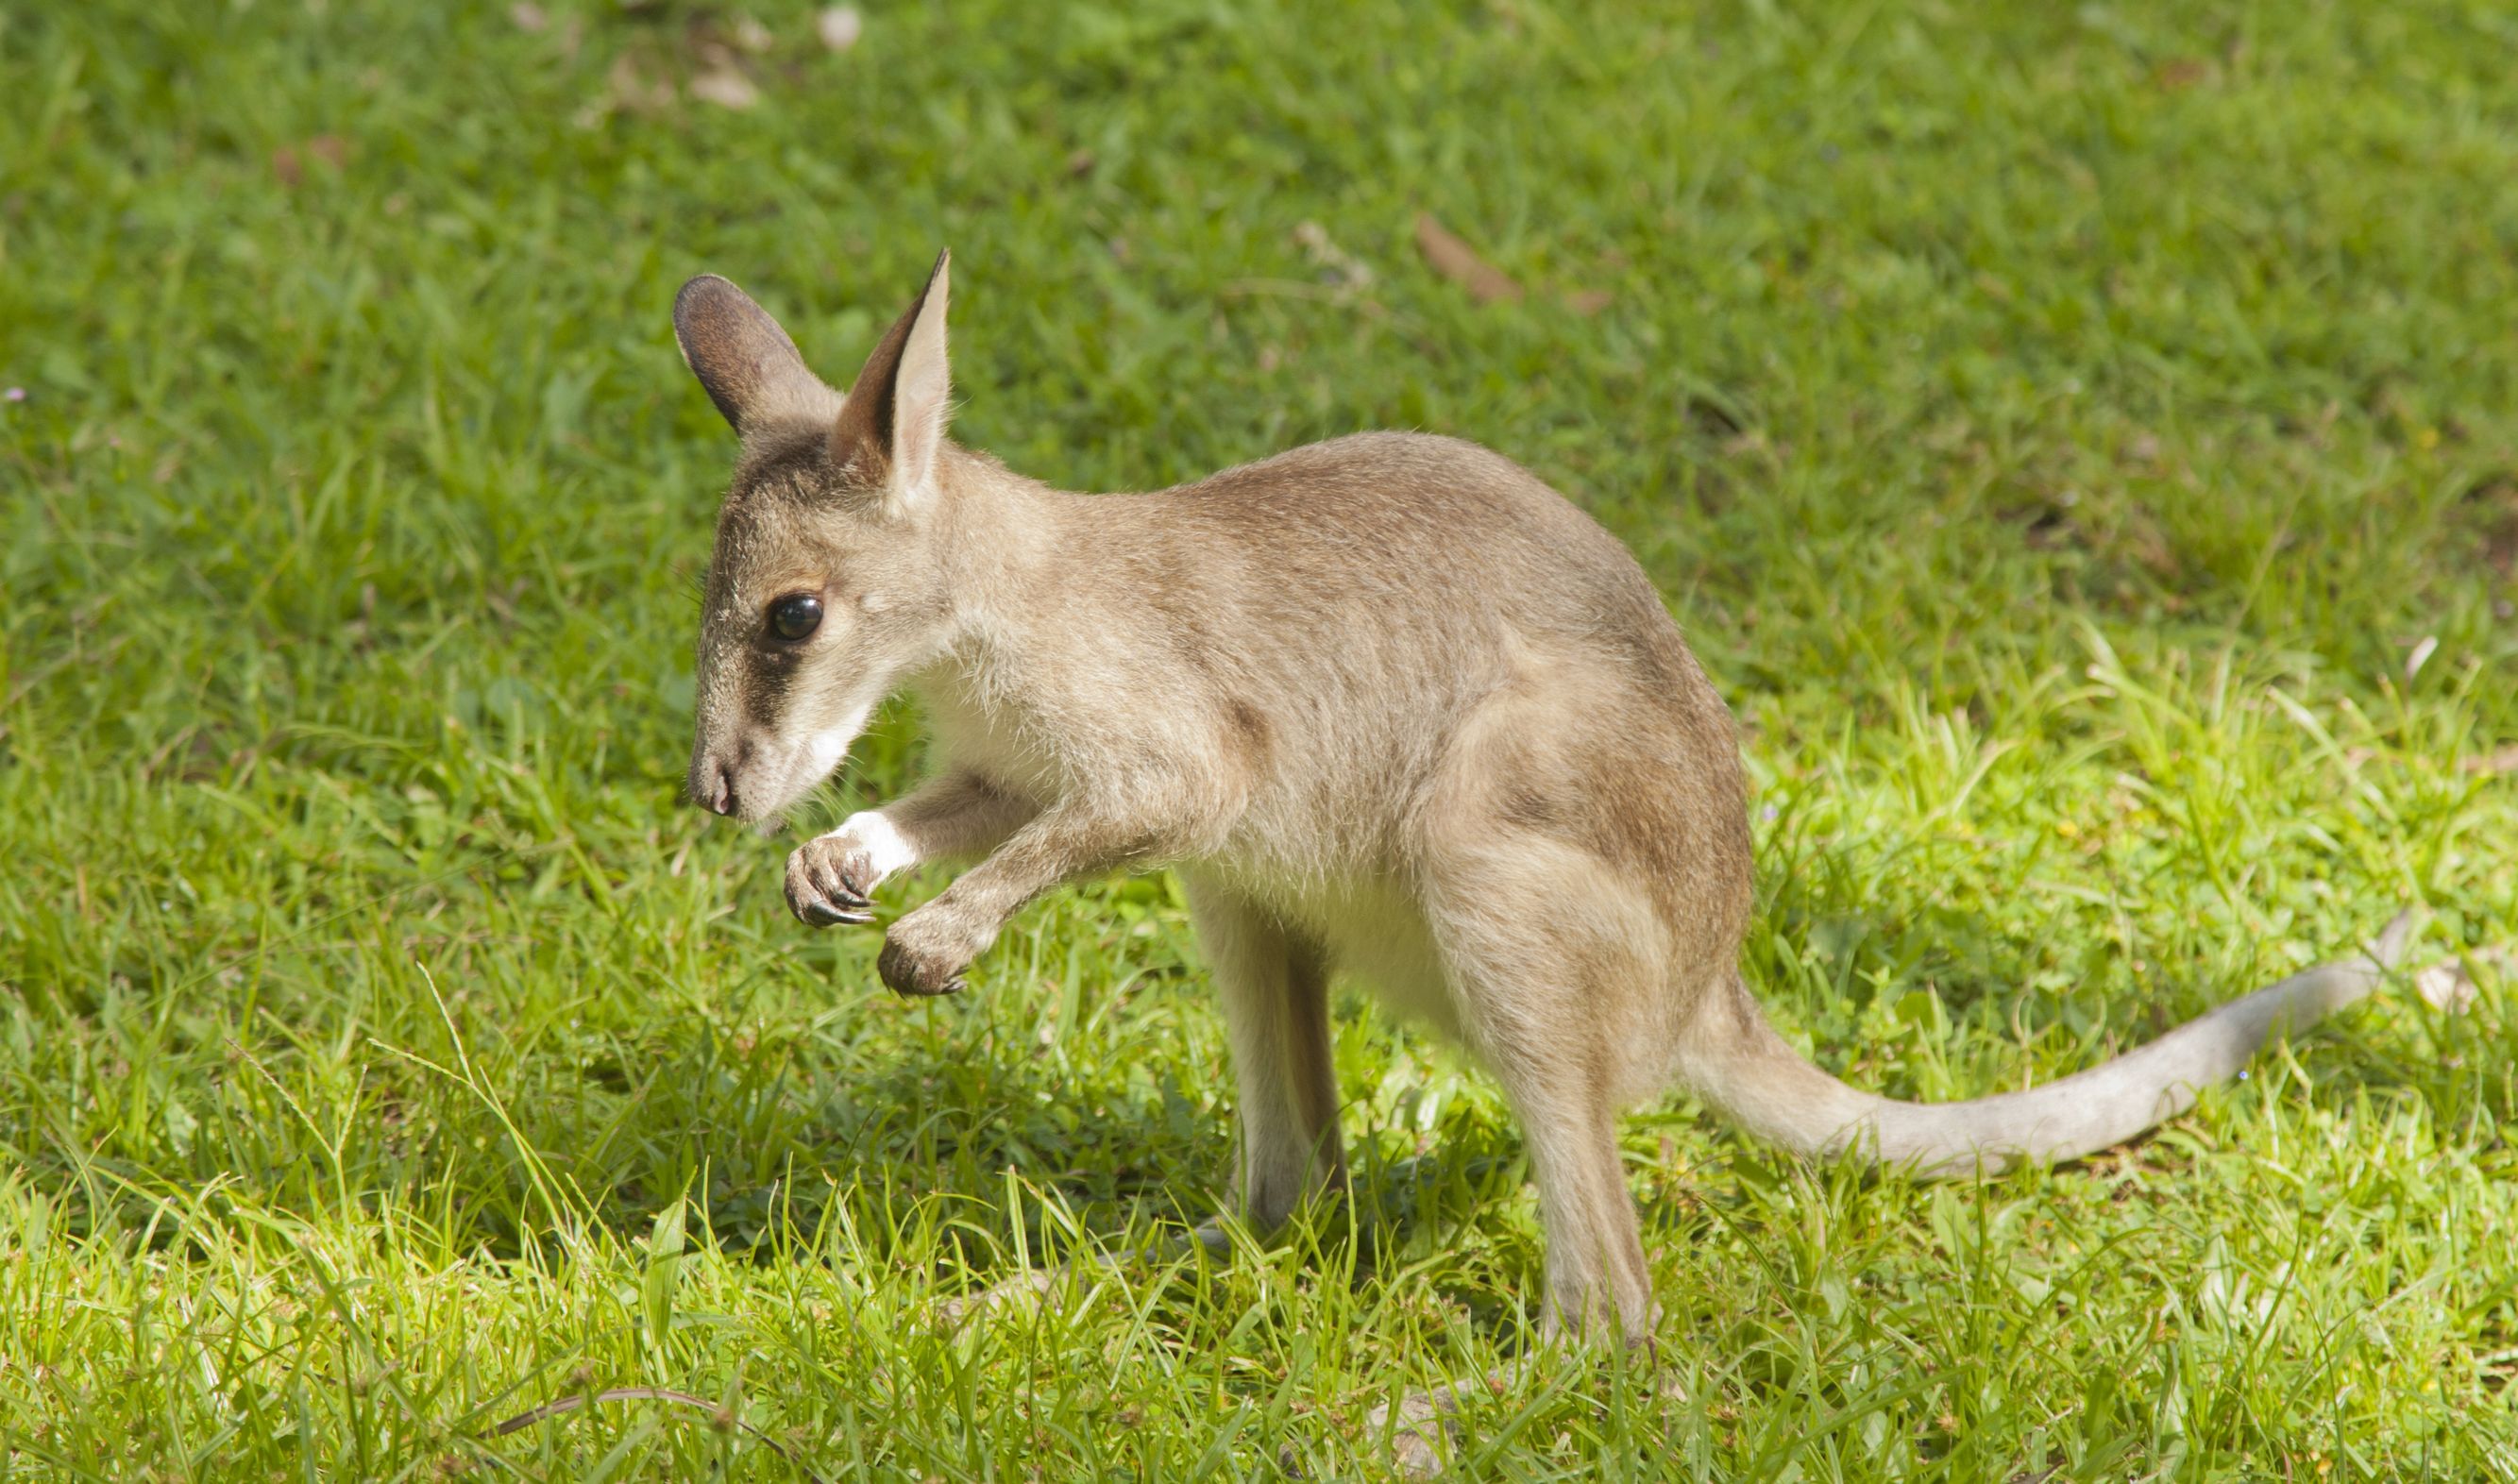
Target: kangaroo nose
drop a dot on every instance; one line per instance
(713, 788)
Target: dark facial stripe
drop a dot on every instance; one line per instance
(769, 672)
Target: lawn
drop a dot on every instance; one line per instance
(2082, 443)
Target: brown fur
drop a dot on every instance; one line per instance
(1393, 705)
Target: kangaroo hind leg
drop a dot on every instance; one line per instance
(1548, 955)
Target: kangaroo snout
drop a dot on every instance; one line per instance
(712, 785)
(726, 775)
(755, 776)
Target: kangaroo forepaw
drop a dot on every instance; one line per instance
(925, 953)
(829, 882)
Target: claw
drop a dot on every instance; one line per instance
(954, 985)
(822, 892)
(906, 975)
(828, 882)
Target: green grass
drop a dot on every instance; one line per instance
(2058, 428)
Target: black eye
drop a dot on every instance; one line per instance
(796, 615)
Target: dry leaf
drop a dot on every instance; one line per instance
(721, 1416)
(2502, 761)
(839, 26)
(751, 35)
(1457, 261)
(2421, 655)
(1032, 1282)
(1588, 302)
(2182, 72)
(528, 16)
(289, 162)
(630, 89)
(725, 87)
(2446, 986)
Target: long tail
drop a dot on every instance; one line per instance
(1752, 1074)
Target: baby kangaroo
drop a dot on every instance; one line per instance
(1390, 705)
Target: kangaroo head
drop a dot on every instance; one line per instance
(827, 583)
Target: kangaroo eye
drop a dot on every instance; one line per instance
(796, 615)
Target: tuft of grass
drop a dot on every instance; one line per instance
(2082, 442)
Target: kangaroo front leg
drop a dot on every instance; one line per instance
(1275, 1006)
(831, 878)
(927, 950)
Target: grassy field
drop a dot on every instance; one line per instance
(2082, 443)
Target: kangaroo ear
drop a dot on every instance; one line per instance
(891, 425)
(748, 365)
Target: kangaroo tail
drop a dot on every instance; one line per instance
(1739, 1064)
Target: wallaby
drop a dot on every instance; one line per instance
(1389, 704)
